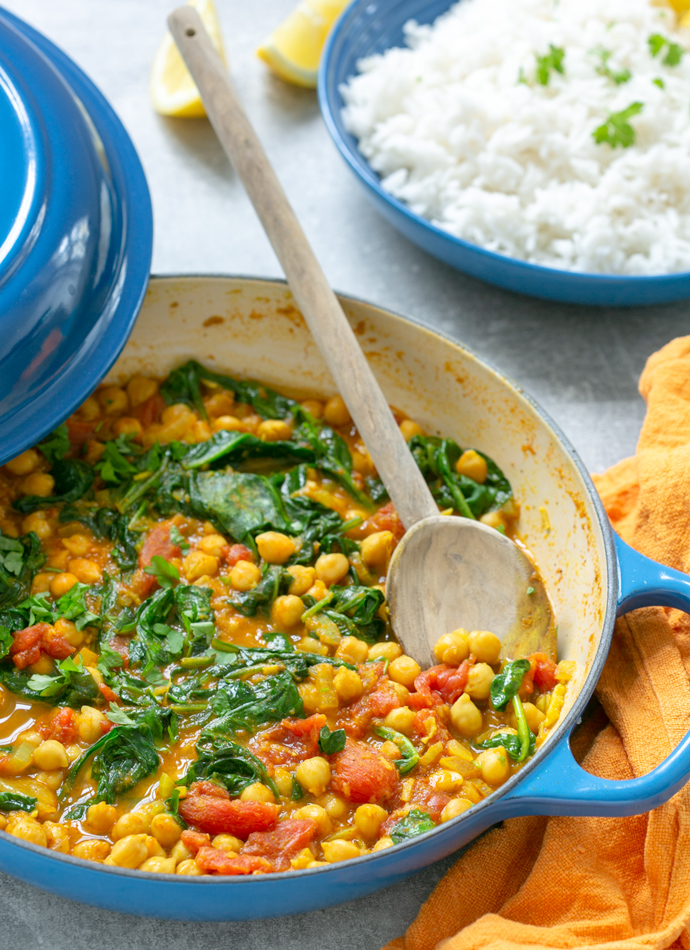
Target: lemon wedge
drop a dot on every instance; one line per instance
(293, 50)
(172, 88)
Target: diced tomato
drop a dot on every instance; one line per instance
(221, 816)
(62, 726)
(377, 704)
(428, 725)
(80, 431)
(544, 671)
(285, 842)
(215, 861)
(238, 552)
(194, 840)
(205, 787)
(157, 542)
(440, 684)
(429, 799)
(30, 643)
(150, 410)
(290, 742)
(385, 519)
(108, 694)
(364, 775)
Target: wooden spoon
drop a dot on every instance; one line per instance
(447, 572)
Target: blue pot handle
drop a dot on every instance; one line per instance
(559, 786)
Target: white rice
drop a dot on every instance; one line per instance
(512, 166)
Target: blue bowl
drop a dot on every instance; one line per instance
(371, 26)
(76, 235)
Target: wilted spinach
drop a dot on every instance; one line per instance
(414, 823)
(73, 478)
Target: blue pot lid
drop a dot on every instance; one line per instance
(76, 235)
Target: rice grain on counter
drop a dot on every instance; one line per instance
(553, 132)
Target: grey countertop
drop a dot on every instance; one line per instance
(581, 364)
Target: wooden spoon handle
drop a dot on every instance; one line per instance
(319, 305)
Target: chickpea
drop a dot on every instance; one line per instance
(51, 755)
(197, 564)
(368, 820)
(455, 807)
(494, 519)
(57, 836)
(339, 850)
(23, 464)
(274, 430)
(130, 825)
(52, 779)
(314, 407)
(68, 631)
(332, 568)
(348, 685)
(479, 681)
(39, 524)
(30, 735)
(495, 765)
(287, 611)
(452, 648)
(314, 774)
(376, 550)
(227, 424)
(219, 403)
(90, 724)
(180, 852)
(410, 429)
(127, 425)
(383, 843)
(85, 570)
(91, 850)
(165, 829)
(533, 716)
(228, 843)
(485, 646)
(310, 645)
(302, 579)
(385, 651)
(465, 717)
(77, 544)
(318, 590)
(245, 576)
(213, 544)
(113, 400)
(334, 806)
(352, 650)
(316, 813)
(336, 413)
(283, 780)
(472, 465)
(390, 750)
(89, 409)
(405, 670)
(189, 867)
(27, 828)
(61, 583)
(401, 720)
(100, 818)
(158, 865)
(41, 583)
(139, 389)
(274, 547)
(256, 792)
(129, 852)
(362, 462)
(39, 483)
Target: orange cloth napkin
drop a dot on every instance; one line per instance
(624, 883)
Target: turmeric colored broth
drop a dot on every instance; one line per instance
(198, 675)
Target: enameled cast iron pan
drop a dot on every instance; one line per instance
(251, 328)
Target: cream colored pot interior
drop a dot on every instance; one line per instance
(251, 328)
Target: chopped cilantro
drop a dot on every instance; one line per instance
(165, 573)
(603, 69)
(672, 52)
(616, 130)
(551, 62)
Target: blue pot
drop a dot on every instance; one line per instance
(250, 327)
(75, 236)
(367, 27)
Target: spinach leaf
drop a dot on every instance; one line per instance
(331, 742)
(233, 447)
(241, 706)
(72, 685)
(353, 609)
(56, 445)
(125, 755)
(237, 503)
(275, 580)
(114, 466)
(221, 760)
(409, 756)
(507, 683)
(73, 479)
(149, 647)
(20, 559)
(6, 641)
(15, 801)
(193, 606)
(414, 823)
(238, 660)
(110, 524)
(511, 743)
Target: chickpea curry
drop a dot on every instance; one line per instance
(197, 672)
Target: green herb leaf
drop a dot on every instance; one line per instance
(414, 823)
(616, 130)
(331, 742)
(165, 573)
(551, 62)
(603, 69)
(673, 53)
(56, 445)
(179, 539)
